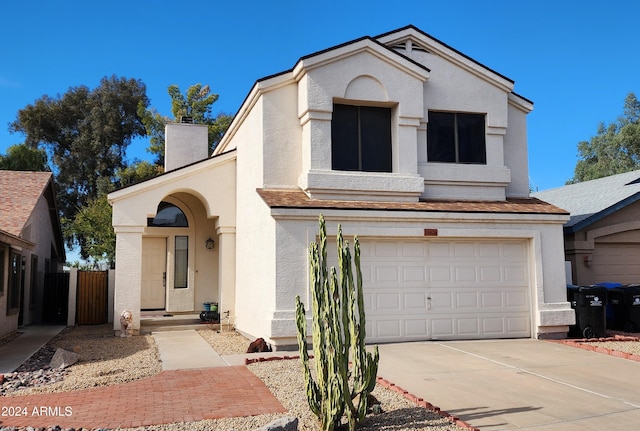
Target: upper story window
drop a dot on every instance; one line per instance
(168, 215)
(361, 138)
(456, 138)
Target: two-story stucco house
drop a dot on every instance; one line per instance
(31, 245)
(401, 139)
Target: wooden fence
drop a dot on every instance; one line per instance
(92, 295)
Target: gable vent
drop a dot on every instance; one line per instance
(401, 46)
(409, 45)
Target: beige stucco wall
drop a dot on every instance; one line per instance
(206, 193)
(295, 229)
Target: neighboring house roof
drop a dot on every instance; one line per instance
(19, 193)
(7, 238)
(590, 201)
(292, 198)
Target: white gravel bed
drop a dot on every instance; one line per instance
(225, 342)
(632, 347)
(104, 359)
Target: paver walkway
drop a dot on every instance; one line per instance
(171, 396)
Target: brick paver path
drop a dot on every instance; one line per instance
(171, 396)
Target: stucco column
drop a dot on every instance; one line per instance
(227, 272)
(128, 274)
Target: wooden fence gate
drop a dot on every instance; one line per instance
(92, 296)
(55, 303)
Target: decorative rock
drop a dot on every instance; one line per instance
(281, 424)
(63, 358)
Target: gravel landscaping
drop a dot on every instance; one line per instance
(106, 360)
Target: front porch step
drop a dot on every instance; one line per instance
(150, 323)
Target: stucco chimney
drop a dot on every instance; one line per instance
(184, 143)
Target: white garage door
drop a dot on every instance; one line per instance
(436, 289)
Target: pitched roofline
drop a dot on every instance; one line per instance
(254, 92)
(50, 196)
(602, 214)
(297, 199)
(110, 196)
(412, 27)
(8, 238)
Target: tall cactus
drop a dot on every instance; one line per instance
(345, 371)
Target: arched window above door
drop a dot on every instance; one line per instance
(168, 215)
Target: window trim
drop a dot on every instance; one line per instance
(456, 138)
(184, 262)
(14, 282)
(361, 150)
(3, 263)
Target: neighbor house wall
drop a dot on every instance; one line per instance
(38, 230)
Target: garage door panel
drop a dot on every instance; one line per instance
(442, 327)
(517, 300)
(493, 326)
(464, 274)
(439, 274)
(466, 300)
(463, 250)
(519, 325)
(491, 300)
(387, 329)
(467, 327)
(388, 302)
(384, 274)
(415, 328)
(414, 274)
(415, 301)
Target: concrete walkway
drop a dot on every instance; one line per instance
(33, 337)
(185, 350)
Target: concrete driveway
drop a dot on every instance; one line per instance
(518, 384)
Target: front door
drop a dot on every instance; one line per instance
(154, 273)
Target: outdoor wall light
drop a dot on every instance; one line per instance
(587, 260)
(209, 244)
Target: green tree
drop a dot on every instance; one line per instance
(85, 133)
(615, 148)
(91, 227)
(196, 103)
(23, 158)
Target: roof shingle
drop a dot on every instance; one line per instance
(19, 193)
(298, 199)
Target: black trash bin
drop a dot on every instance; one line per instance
(625, 300)
(611, 310)
(589, 303)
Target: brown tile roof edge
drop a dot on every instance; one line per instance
(279, 198)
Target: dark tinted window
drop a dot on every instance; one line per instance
(361, 138)
(168, 215)
(456, 138)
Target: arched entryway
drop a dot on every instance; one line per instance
(177, 272)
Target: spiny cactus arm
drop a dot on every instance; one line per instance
(337, 373)
(317, 308)
(344, 264)
(313, 393)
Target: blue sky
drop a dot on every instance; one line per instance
(575, 60)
